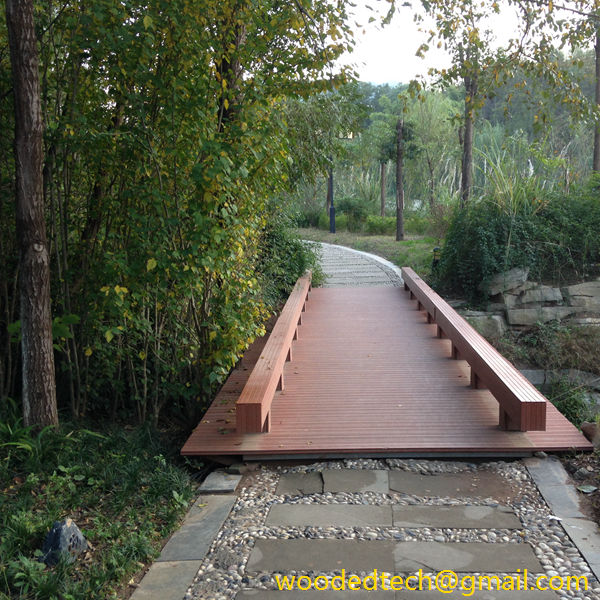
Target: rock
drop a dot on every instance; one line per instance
(509, 280)
(536, 377)
(591, 432)
(585, 294)
(542, 314)
(498, 307)
(543, 293)
(489, 326)
(65, 538)
(241, 468)
(531, 293)
(581, 473)
(456, 304)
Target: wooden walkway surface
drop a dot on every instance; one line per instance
(369, 376)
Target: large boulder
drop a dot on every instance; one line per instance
(585, 294)
(541, 314)
(531, 293)
(508, 280)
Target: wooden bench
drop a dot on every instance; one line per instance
(522, 406)
(253, 407)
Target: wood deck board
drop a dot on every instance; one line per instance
(369, 375)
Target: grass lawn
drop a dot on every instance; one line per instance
(415, 252)
(124, 489)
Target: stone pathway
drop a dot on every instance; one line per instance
(346, 518)
(345, 267)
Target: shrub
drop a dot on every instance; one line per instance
(555, 236)
(356, 211)
(377, 225)
(570, 400)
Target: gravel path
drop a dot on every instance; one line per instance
(229, 569)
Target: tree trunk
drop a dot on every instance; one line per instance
(596, 163)
(400, 180)
(383, 169)
(466, 182)
(39, 386)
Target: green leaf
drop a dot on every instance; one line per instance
(147, 22)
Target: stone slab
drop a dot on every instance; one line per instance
(585, 535)
(219, 482)
(193, 539)
(456, 517)
(167, 580)
(321, 555)
(554, 484)
(355, 481)
(330, 515)
(469, 484)
(542, 314)
(295, 484)
(464, 557)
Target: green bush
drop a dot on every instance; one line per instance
(554, 235)
(341, 221)
(122, 489)
(376, 225)
(416, 223)
(283, 259)
(356, 211)
(570, 400)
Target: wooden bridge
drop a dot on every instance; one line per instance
(377, 372)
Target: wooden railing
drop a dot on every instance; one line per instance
(522, 406)
(253, 407)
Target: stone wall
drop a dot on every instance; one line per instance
(518, 303)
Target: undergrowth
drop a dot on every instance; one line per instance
(122, 489)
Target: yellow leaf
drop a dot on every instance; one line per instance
(88, 351)
(212, 335)
(142, 354)
(108, 334)
(151, 264)
(147, 22)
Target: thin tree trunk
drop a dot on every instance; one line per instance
(466, 183)
(39, 385)
(596, 163)
(383, 170)
(400, 180)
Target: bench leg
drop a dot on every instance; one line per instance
(429, 318)
(506, 423)
(295, 334)
(288, 358)
(280, 386)
(440, 332)
(267, 424)
(405, 288)
(419, 305)
(411, 295)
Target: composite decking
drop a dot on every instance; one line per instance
(370, 377)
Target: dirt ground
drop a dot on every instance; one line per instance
(585, 471)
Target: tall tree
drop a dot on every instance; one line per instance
(39, 386)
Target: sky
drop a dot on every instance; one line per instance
(387, 55)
